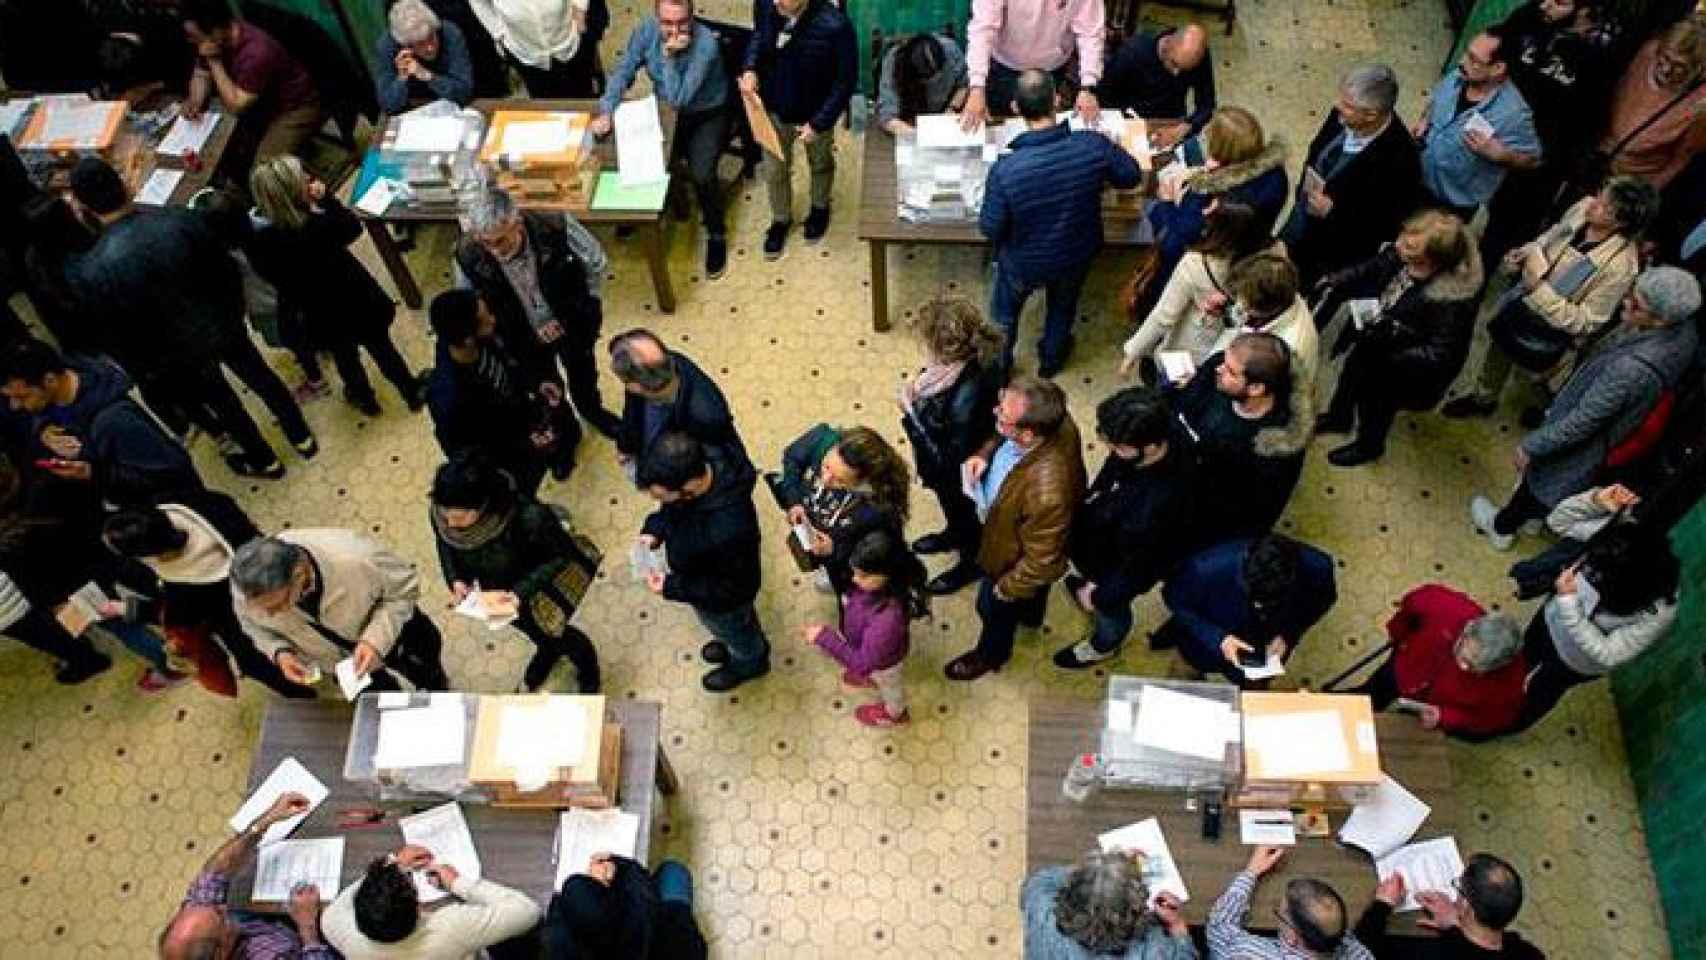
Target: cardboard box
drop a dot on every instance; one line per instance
(106, 114)
(562, 177)
(592, 782)
(1279, 779)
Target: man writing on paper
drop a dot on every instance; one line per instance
(379, 917)
(681, 56)
(1153, 73)
(1471, 923)
(1007, 37)
(205, 927)
(1311, 920)
(311, 597)
(255, 78)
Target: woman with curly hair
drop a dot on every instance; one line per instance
(1101, 908)
(842, 484)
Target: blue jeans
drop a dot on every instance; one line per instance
(1001, 620)
(674, 884)
(1007, 297)
(740, 631)
(1110, 629)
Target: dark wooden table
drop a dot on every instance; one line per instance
(516, 846)
(879, 225)
(1058, 831)
(136, 156)
(648, 225)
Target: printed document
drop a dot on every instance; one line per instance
(639, 142)
(290, 776)
(444, 831)
(1160, 872)
(157, 190)
(283, 865)
(1385, 823)
(1431, 865)
(186, 134)
(1271, 828)
(582, 833)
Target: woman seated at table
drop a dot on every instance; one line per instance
(926, 74)
(615, 910)
(1101, 908)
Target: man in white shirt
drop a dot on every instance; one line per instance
(379, 916)
(553, 44)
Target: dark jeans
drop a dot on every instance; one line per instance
(1367, 399)
(580, 367)
(740, 631)
(377, 343)
(417, 655)
(242, 359)
(41, 632)
(1549, 678)
(699, 139)
(1002, 619)
(1110, 629)
(211, 604)
(580, 77)
(1381, 687)
(1523, 507)
(964, 530)
(1007, 300)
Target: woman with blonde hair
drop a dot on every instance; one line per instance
(299, 242)
(947, 410)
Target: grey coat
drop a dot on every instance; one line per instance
(1603, 401)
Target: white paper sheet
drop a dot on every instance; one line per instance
(943, 130)
(392, 699)
(1273, 667)
(428, 736)
(1160, 872)
(289, 862)
(1428, 866)
(1271, 828)
(378, 198)
(534, 735)
(1119, 715)
(76, 124)
(1293, 744)
(1365, 312)
(157, 189)
(12, 113)
(474, 607)
(974, 490)
(1176, 365)
(1478, 124)
(642, 561)
(582, 833)
(187, 134)
(1312, 182)
(536, 136)
(444, 831)
(349, 681)
(1181, 723)
(1386, 822)
(288, 777)
(639, 142)
(429, 134)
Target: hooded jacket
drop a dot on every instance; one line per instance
(1421, 341)
(1024, 547)
(712, 540)
(132, 458)
(1259, 181)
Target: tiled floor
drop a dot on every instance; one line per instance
(810, 835)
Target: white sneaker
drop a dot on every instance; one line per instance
(1481, 514)
(821, 581)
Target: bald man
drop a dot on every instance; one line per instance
(1154, 72)
(206, 929)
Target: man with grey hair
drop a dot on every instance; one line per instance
(421, 58)
(1459, 668)
(1312, 921)
(311, 598)
(1616, 384)
(1359, 181)
(541, 274)
(666, 392)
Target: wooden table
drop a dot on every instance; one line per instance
(879, 225)
(648, 225)
(136, 158)
(1058, 831)
(516, 846)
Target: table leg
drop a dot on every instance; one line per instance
(879, 285)
(666, 774)
(394, 262)
(651, 235)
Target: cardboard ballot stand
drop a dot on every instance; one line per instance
(590, 783)
(1283, 782)
(560, 179)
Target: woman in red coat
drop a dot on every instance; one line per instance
(1463, 665)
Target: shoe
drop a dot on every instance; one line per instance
(1469, 405)
(624, 231)
(1048, 368)
(1080, 655)
(726, 678)
(366, 403)
(538, 670)
(561, 469)
(967, 667)
(307, 447)
(1332, 423)
(877, 715)
(416, 396)
(775, 239)
(817, 223)
(1353, 454)
(716, 257)
(851, 679)
(1481, 514)
(1533, 528)
(714, 652)
(953, 580)
(608, 424)
(243, 467)
(155, 681)
(95, 664)
(1532, 418)
(932, 543)
(309, 391)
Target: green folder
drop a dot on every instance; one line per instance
(611, 194)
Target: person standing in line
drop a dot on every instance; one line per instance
(1476, 127)
(872, 643)
(553, 44)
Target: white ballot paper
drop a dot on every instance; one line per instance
(534, 735)
(1385, 823)
(157, 189)
(1181, 723)
(1430, 865)
(1478, 124)
(1293, 744)
(642, 562)
(1160, 873)
(428, 134)
(639, 142)
(289, 862)
(582, 833)
(378, 197)
(1270, 828)
(187, 134)
(349, 681)
(1273, 667)
(290, 776)
(943, 130)
(444, 831)
(479, 605)
(1176, 365)
(973, 489)
(429, 736)
(1365, 312)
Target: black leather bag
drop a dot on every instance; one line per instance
(1530, 342)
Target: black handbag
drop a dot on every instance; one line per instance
(1530, 342)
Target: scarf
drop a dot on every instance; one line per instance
(933, 379)
(494, 519)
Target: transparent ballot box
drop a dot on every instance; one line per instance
(1176, 735)
(434, 149)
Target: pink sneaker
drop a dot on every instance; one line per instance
(856, 680)
(153, 681)
(310, 390)
(877, 715)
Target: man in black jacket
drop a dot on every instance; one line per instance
(667, 392)
(1136, 522)
(803, 62)
(487, 395)
(1471, 917)
(541, 275)
(708, 529)
(1359, 180)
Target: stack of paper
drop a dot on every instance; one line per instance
(490, 607)
(639, 142)
(283, 865)
(429, 736)
(290, 776)
(943, 130)
(444, 831)
(1160, 872)
(1428, 866)
(187, 135)
(1385, 823)
(428, 134)
(582, 833)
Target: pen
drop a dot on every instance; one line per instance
(1272, 823)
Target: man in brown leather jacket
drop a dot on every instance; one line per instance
(1026, 482)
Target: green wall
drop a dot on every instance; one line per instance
(1661, 698)
(902, 17)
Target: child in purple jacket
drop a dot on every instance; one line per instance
(872, 643)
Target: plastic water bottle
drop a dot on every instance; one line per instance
(857, 110)
(1081, 777)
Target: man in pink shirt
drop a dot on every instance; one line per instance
(1007, 37)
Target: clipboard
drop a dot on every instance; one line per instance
(763, 130)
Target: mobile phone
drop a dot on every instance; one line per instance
(1252, 658)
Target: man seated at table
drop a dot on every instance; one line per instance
(380, 915)
(1471, 924)
(205, 927)
(421, 58)
(1312, 919)
(682, 58)
(258, 81)
(1153, 73)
